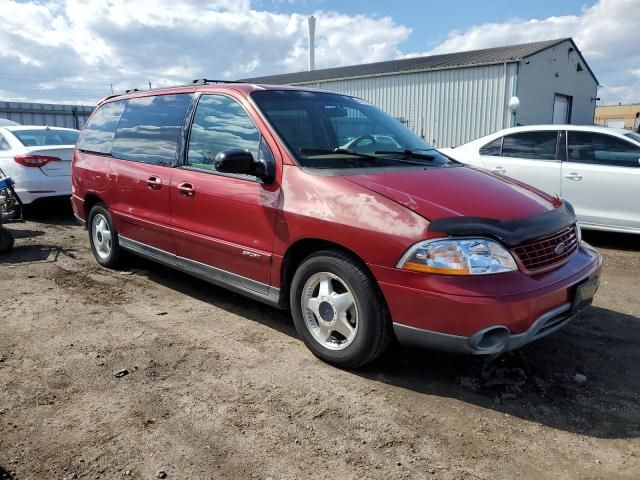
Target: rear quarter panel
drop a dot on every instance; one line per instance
(89, 176)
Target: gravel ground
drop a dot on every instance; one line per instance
(212, 385)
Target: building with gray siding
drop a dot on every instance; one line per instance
(453, 98)
(54, 115)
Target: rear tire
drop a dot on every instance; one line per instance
(338, 310)
(103, 237)
(6, 240)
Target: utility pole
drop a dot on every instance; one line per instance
(149, 84)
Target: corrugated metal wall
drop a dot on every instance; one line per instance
(538, 84)
(69, 116)
(445, 107)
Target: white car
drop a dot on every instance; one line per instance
(597, 169)
(38, 159)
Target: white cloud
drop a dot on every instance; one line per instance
(606, 34)
(77, 48)
(74, 49)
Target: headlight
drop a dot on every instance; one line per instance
(464, 256)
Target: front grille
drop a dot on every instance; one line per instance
(542, 253)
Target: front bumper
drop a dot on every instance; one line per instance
(499, 336)
(480, 322)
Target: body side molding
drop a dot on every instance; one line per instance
(222, 278)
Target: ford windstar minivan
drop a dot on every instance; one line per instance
(322, 203)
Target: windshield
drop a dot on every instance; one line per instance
(46, 136)
(328, 130)
(633, 136)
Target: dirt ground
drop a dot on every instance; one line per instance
(219, 386)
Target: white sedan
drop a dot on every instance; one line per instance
(597, 169)
(38, 159)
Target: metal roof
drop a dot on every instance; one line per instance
(487, 56)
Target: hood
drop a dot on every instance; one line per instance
(458, 191)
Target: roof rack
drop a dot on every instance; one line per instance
(204, 81)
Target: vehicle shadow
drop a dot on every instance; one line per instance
(5, 474)
(227, 300)
(613, 240)
(52, 211)
(537, 383)
(581, 379)
(35, 254)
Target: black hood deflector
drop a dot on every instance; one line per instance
(510, 232)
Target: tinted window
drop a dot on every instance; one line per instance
(149, 129)
(97, 135)
(633, 135)
(220, 123)
(492, 149)
(314, 124)
(296, 125)
(589, 147)
(4, 145)
(46, 136)
(533, 145)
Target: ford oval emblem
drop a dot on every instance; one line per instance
(560, 248)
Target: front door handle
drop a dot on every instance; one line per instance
(154, 183)
(574, 176)
(500, 170)
(186, 189)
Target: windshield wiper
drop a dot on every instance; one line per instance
(342, 151)
(366, 156)
(407, 152)
(416, 153)
(371, 158)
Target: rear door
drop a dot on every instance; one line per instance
(144, 156)
(530, 157)
(224, 223)
(601, 178)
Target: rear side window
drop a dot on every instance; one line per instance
(4, 145)
(99, 131)
(46, 136)
(531, 145)
(601, 149)
(492, 149)
(220, 123)
(149, 129)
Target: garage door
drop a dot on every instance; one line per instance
(614, 122)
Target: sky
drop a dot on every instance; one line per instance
(79, 50)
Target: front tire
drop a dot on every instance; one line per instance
(103, 237)
(338, 310)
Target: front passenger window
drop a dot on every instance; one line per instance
(601, 149)
(220, 123)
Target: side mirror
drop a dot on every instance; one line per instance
(235, 160)
(241, 161)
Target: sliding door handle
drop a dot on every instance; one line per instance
(154, 183)
(186, 189)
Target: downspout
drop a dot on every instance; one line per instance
(517, 84)
(504, 95)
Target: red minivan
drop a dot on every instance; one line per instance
(322, 203)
